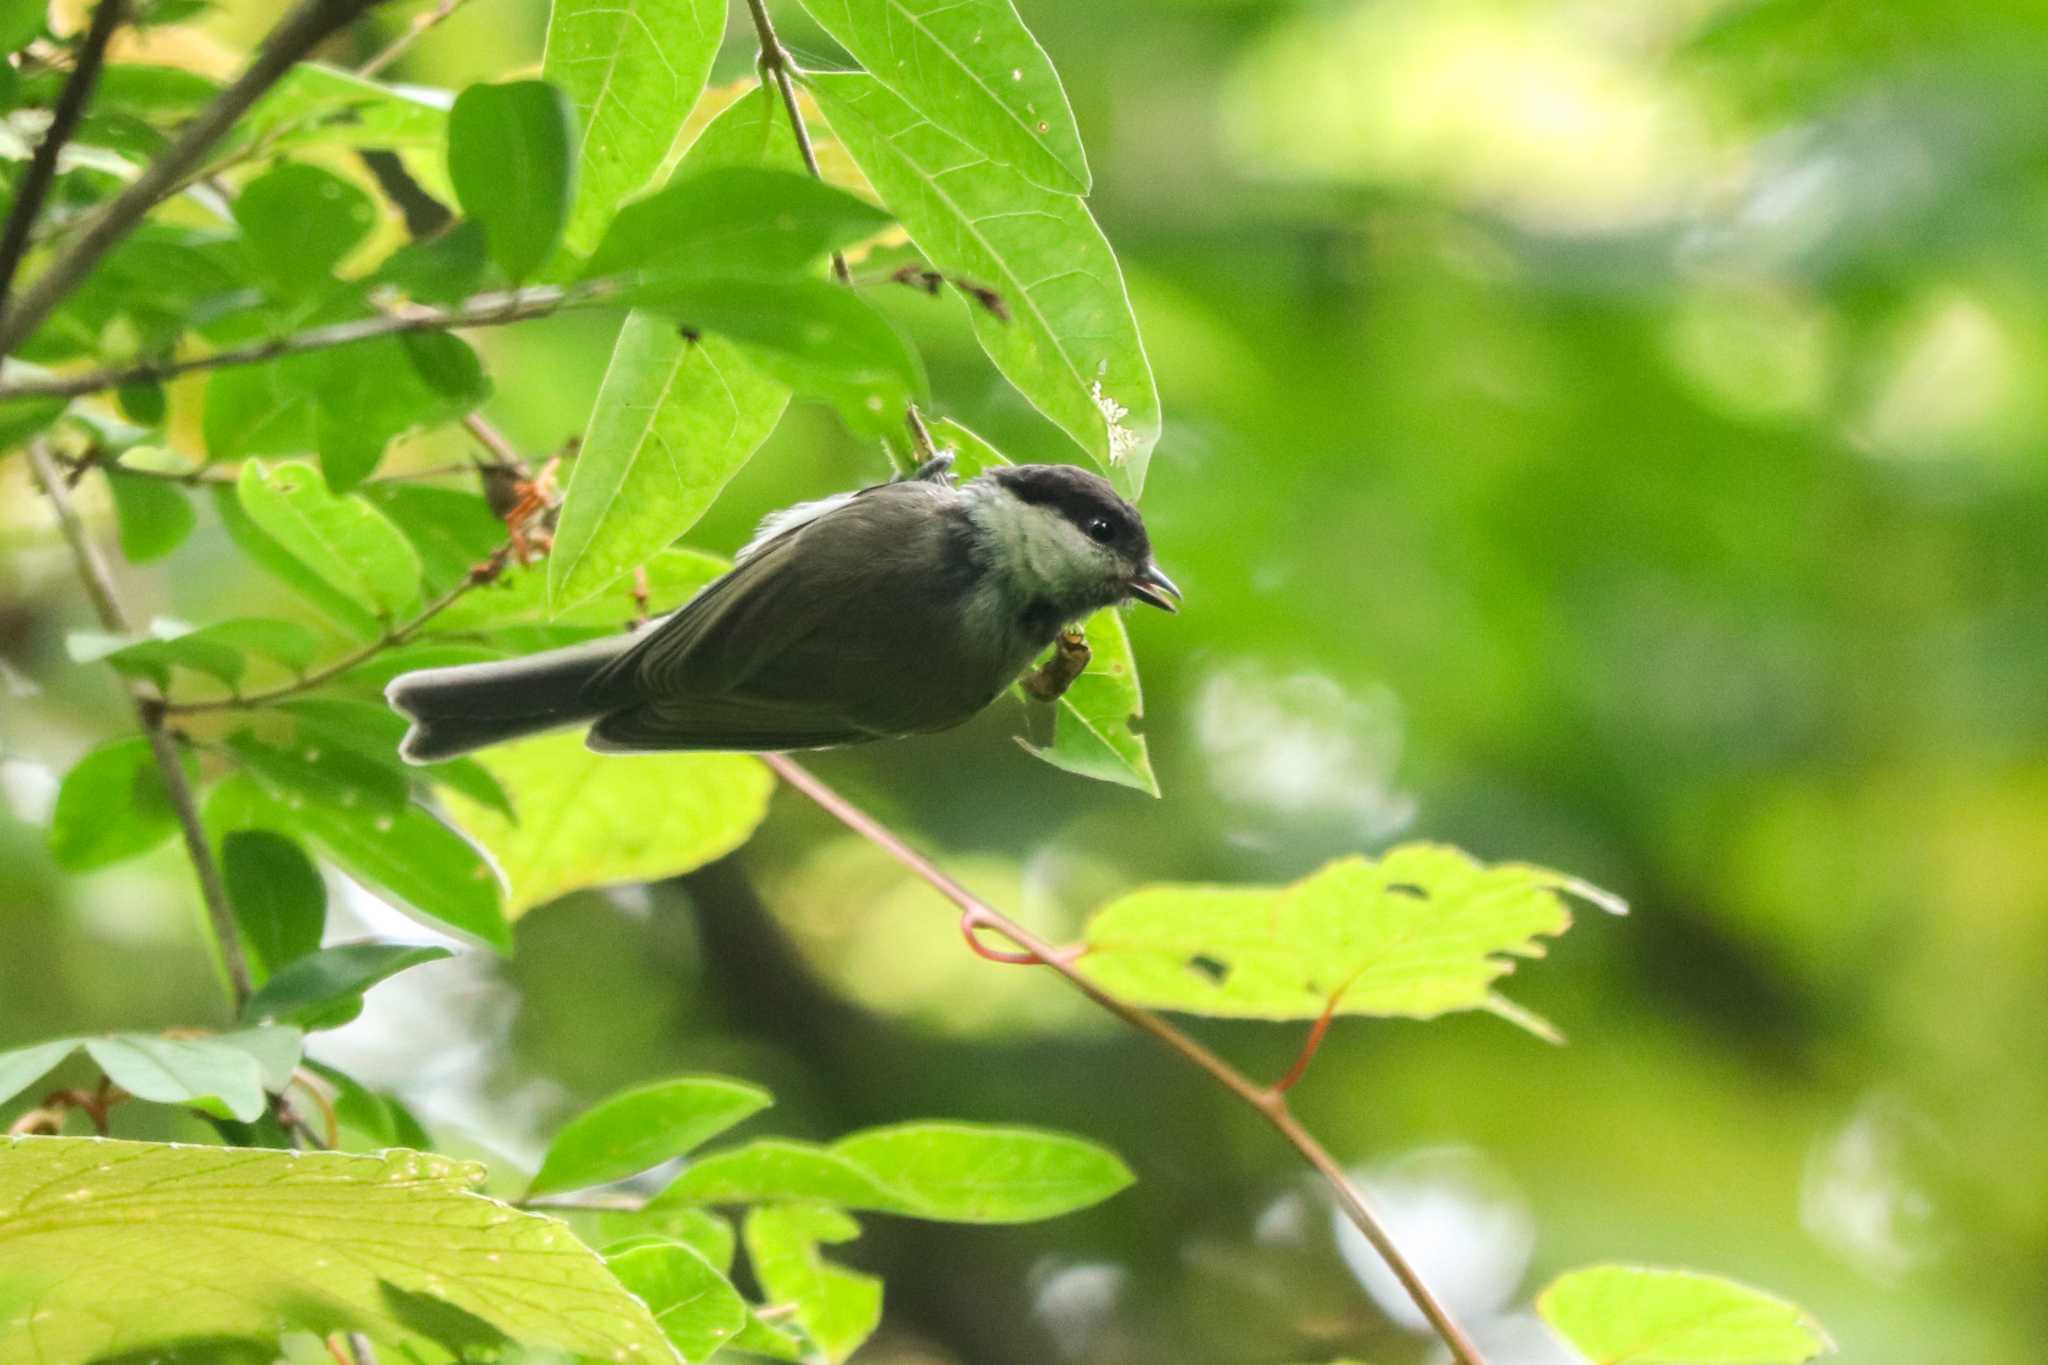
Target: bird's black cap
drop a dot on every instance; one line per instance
(1082, 498)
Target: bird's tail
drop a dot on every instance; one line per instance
(455, 710)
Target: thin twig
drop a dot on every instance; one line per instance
(414, 31)
(1270, 1102)
(295, 36)
(99, 585)
(390, 639)
(482, 310)
(42, 167)
(781, 68)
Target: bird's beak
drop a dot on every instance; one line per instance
(1152, 586)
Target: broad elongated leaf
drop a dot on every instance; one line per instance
(452, 529)
(971, 67)
(734, 220)
(154, 515)
(674, 422)
(837, 1308)
(325, 989)
(633, 69)
(22, 1067)
(413, 860)
(1071, 344)
(112, 806)
(511, 158)
(643, 1127)
(315, 105)
(818, 338)
(1419, 932)
(586, 819)
(278, 898)
(212, 1244)
(342, 540)
(308, 772)
(220, 650)
(1632, 1315)
(273, 558)
(951, 1172)
(1093, 726)
(372, 731)
(225, 1073)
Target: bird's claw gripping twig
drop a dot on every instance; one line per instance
(1070, 656)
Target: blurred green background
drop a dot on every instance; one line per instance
(1603, 433)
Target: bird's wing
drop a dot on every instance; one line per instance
(733, 723)
(785, 603)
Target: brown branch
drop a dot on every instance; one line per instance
(99, 585)
(781, 68)
(295, 36)
(481, 310)
(42, 167)
(414, 31)
(397, 635)
(1270, 1102)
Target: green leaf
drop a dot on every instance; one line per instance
(21, 418)
(641, 1128)
(696, 1306)
(710, 1235)
(20, 22)
(270, 556)
(837, 1308)
(325, 989)
(1093, 734)
(633, 69)
(111, 807)
(674, 576)
(448, 365)
(298, 223)
(1630, 1315)
(591, 820)
(21, 1067)
(972, 68)
(277, 1049)
(1420, 932)
(259, 410)
(818, 338)
(315, 105)
(220, 650)
(212, 1245)
(949, 1172)
(143, 403)
(279, 900)
(674, 421)
(189, 1071)
(734, 220)
(1071, 344)
(366, 393)
(372, 730)
(154, 515)
(309, 772)
(410, 858)
(342, 540)
(440, 269)
(510, 158)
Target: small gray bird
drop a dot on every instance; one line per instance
(901, 609)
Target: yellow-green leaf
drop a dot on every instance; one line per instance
(108, 1248)
(587, 819)
(1417, 933)
(1633, 1315)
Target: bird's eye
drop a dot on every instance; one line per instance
(1099, 530)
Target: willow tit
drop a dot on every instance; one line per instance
(897, 610)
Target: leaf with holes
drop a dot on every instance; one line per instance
(212, 1244)
(971, 67)
(1417, 933)
(1070, 344)
(1632, 1315)
(643, 1127)
(634, 70)
(586, 819)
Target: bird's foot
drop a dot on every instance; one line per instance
(1070, 656)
